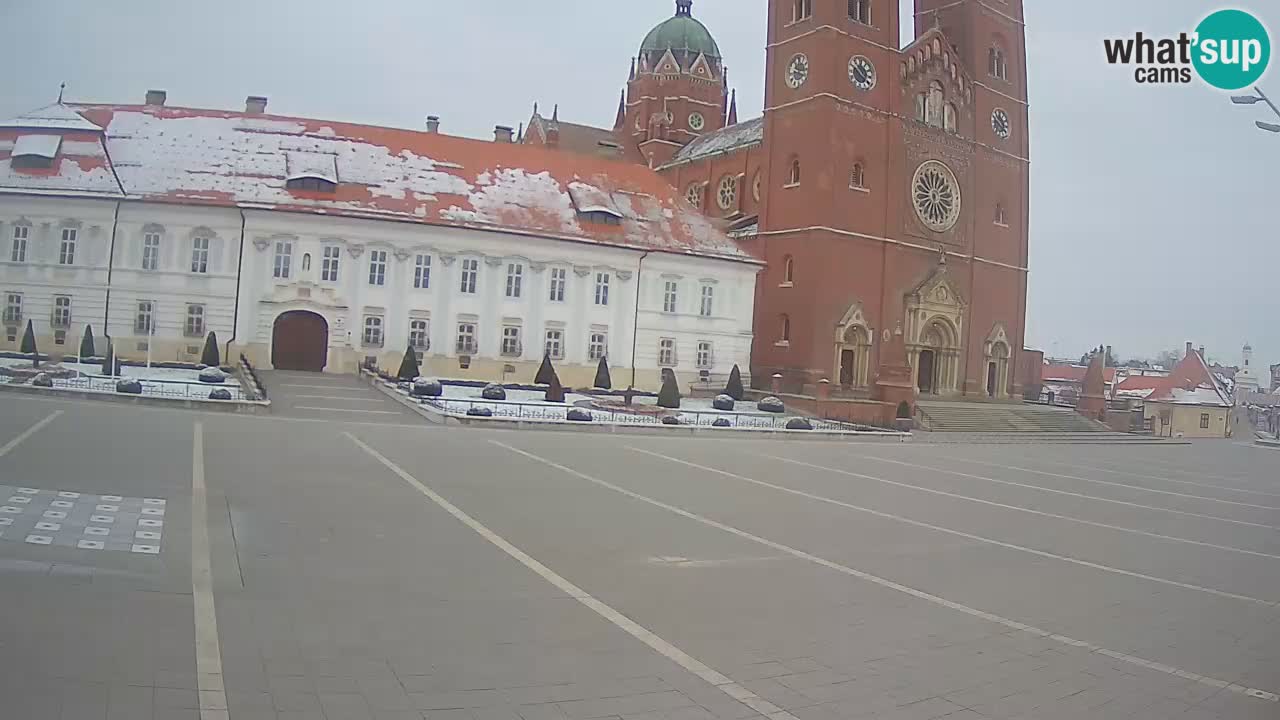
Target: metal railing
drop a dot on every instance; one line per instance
(508, 410)
(184, 389)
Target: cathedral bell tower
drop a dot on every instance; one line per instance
(677, 90)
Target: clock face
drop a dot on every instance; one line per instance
(1000, 123)
(797, 71)
(862, 73)
(696, 121)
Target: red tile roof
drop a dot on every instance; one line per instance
(1191, 383)
(1072, 373)
(211, 157)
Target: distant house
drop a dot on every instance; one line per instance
(1063, 383)
(1192, 402)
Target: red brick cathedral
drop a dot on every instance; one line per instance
(886, 188)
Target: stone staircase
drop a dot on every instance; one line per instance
(988, 418)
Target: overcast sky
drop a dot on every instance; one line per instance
(1153, 209)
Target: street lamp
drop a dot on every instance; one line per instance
(1254, 100)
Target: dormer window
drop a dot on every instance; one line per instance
(311, 172)
(594, 205)
(35, 152)
(311, 184)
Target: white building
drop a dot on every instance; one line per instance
(1247, 380)
(317, 245)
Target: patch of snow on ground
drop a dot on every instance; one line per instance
(156, 382)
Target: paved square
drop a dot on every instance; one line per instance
(88, 522)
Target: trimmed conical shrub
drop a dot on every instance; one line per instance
(29, 344)
(545, 371)
(603, 381)
(86, 343)
(555, 393)
(210, 355)
(669, 395)
(734, 388)
(409, 365)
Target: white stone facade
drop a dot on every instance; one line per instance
(243, 269)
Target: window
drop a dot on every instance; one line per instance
(801, 10)
(419, 335)
(1000, 216)
(996, 65)
(61, 311)
(470, 270)
(555, 344)
(708, 301)
(704, 354)
(200, 255)
(727, 194)
(597, 346)
(422, 272)
(669, 296)
(857, 177)
(600, 216)
(1204, 421)
(667, 352)
(786, 329)
(466, 338)
(511, 341)
(329, 264)
(20, 235)
(559, 279)
(13, 308)
(144, 323)
(67, 251)
(151, 251)
(284, 257)
(602, 288)
(788, 270)
(922, 108)
(949, 118)
(31, 162)
(515, 279)
(311, 184)
(378, 267)
(860, 11)
(694, 195)
(793, 178)
(195, 321)
(372, 331)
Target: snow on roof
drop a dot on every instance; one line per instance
(724, 140)
(45, 146)
(589, 198)
(189, 156)
(311, 165)
(1192, 383)
(52, 117)
(1073, 373)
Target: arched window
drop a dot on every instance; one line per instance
(793, 178)
(996, 63)
(801, 10)
(922, 107)
(949, 118)
(788, 270)
(860, 11)
(786, 329)
(857, 177)
(934, 110)
(306, 262)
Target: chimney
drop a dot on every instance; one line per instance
(1190, 348)
(433, 124)
(1202, 352)
(502, 133)
(156, 97)
(1104, 357)
(255, 105)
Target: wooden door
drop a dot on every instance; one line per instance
(300, 341)
(846, 368)
(926, 374)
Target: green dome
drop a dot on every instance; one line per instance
(681, 32)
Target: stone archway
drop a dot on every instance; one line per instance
(936, 359)
(300, 341)
(996, 366)
(853, 349)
